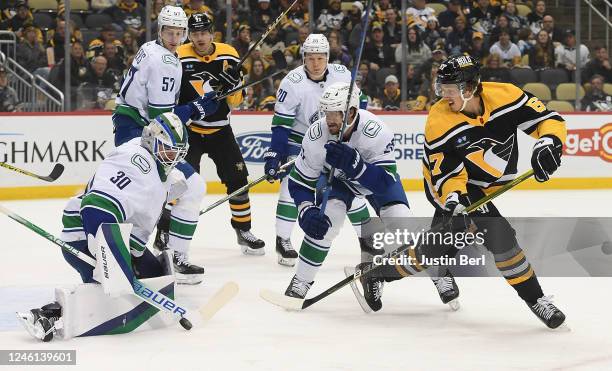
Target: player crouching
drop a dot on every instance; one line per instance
(111, 222)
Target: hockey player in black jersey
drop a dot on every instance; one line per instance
(207, 66)
(471, 148)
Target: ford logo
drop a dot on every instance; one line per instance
(253, 145)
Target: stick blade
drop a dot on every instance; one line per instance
(283, 301)
(223, 296)
(57, 171)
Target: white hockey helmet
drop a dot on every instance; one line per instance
(334, 99)
(166, 138)
(173, 16)
(315, 43)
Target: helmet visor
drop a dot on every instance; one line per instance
(448, 90)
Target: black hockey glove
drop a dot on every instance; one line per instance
(455, 218)
(227, 80)
(546, 157)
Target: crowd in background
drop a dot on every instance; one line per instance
(105, 37)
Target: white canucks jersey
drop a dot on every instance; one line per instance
(371, 138)
(152, 84)
(297, 99)
(126, 184)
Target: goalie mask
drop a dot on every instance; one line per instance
(455, 75)
(166, 139)
(334, 100)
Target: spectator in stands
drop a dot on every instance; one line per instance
(8, 96)
(413, 86)
(331, 18)
(108, 34)
(536, 17)
(129, 15)
(297, 17)
(354, 16)
(102, 4)
(390, 98)
(507, 50)
(30, 53)
(98, 85)
(447, 17)
(392, 28)
(494, 70)
(502, 23)
(526, 40)
(257, 72)
(596, 99)
(129, 44)
(239, 15)
(377, 52)
(368, 84)
(262, 17)
(55, 42)
(437, 56)
(600, 65)
(338, 53)
(78, 69)
(116, 62)
(476, 49)
(22, 17)
(432, 33)
(548, 24)
(482, 18)
(197, 6)
(427, 95)
(565, 54)
(418, 14)
(460, 37)
(249, 103)
(380, 8)
(516, 21)
(417, 51)
(243, 40)
(542, 55)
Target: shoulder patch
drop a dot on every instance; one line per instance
(339, 68)
(315, 132)
(294, 77)
(141, 163)
(170, 59)
(371, 128)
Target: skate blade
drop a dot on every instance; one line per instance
(255, 252)
(281, 300)
(36, 332)
(287, 262)
(188, 279)
(454, 305)
(349, 271)
(564, 327)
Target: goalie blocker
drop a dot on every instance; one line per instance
(110, 307)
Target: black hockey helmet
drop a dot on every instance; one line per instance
(458, 69)
(200, 22)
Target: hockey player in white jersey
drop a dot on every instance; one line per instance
(130, 186)
(297, 107)
(150, 87)
(365, 168)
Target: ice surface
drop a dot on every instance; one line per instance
(494, 330)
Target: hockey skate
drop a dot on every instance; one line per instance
(249, 244)
(286, 253)
(185, 272)
(448, 290)
(547, 312)
(369, 298)
(298, 288)
(41, 322)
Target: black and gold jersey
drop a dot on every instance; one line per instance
(197, 70)
(482, 151)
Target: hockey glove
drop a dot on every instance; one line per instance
(272, 166)
(227, 80)
(455, 218)
(206, 105)
(314, 224)
(345, 158)
(546, 157)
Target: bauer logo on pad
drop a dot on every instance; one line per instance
(253, 145)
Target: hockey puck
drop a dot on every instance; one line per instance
(606, 248)
(185, 323)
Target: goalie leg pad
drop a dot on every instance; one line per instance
(113, 259)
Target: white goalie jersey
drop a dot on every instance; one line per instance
(371, 138)
(297, 99)
(126, 184)
(152, 84)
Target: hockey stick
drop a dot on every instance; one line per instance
(364, 31)
(291, 303)
(244, 188)
(264, 35)
(57, 171)
(281, 64)
(141, 290)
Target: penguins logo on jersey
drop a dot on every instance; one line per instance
(491, 155)
(201, 79)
